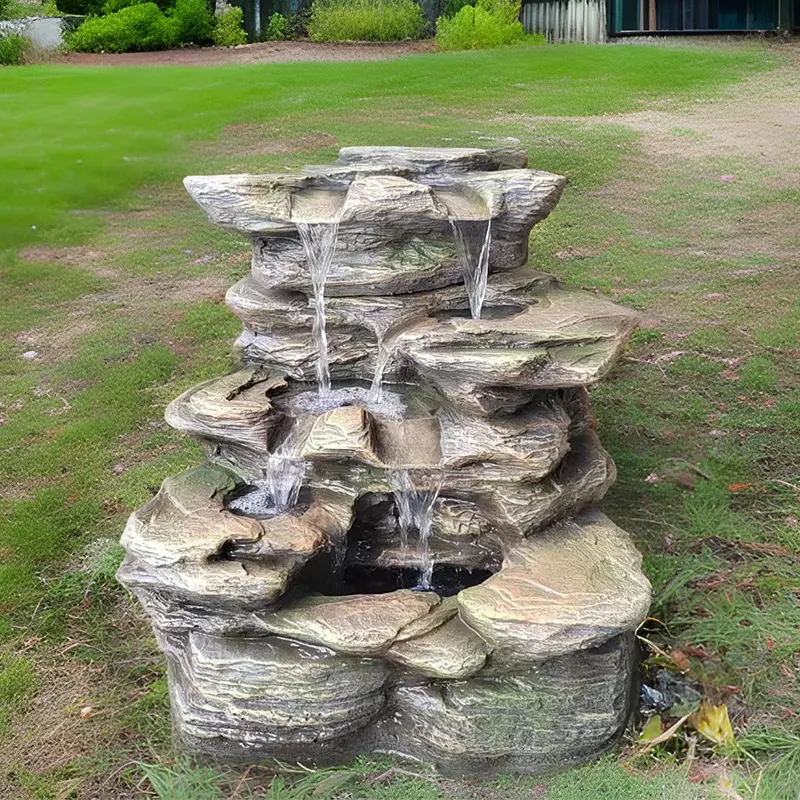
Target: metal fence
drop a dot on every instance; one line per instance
(567, 20)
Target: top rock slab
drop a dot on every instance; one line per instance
(394, 208)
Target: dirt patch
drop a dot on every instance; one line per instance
(757, 118)
(68, 256)
(261, 53)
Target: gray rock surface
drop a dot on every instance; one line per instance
(576, 585)
(437, 584)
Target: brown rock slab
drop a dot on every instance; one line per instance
(451, 651)
(236, 408)
(537, 720)
(342, 433)
(185, 552)
(355, 624)
(269, 691)
(571, 587)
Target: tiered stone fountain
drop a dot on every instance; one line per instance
(392, 547)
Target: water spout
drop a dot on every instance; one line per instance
(415, 511)
(473, 240)
(319, 245)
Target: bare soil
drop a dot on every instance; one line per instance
(261, 53)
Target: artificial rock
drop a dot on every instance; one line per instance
(408, 560)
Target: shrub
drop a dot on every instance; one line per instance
(139, 27)
(229, 30)
(194, 22)
(298, 24)
(110, 6)
(277, 28)
(365, 20)
(12, 49)
(489, 23)
(4, 6)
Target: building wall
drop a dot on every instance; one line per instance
(566, 20)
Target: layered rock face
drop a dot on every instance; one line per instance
(393, 545)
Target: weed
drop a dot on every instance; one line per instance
(182, 781)
(608, 779)
(12, 49)
(487, 23)
(365, 20)
(17, 683)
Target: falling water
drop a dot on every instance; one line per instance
(285, 471)
(473, 241)
(277, 493)
(319, 244)
(376, 389)
(415, 510)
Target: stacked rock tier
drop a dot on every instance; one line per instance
(286, 633)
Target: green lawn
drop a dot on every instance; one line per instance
(114, 279)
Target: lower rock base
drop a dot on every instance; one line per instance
(249, 699)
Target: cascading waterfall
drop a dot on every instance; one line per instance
(473, 240)
(319, 245)
(277, 493)
(376, 388)
(386, 348)
(285, 471)
(415, 511)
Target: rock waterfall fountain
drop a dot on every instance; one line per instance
(393, 545)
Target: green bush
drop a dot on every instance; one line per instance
(139, 27)
(194, 22)
(365, 20)
(277, 28)
(144, 26)
(111, 6)
(489, 23)
(229, 30)
(298, 24)
(12, 50)
(4, 6)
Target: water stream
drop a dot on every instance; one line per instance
(415, 513)
(473, 240)
(277, 493)
(385, 350)
(285, 471)
(319, 245)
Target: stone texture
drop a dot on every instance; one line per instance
(288, 635)
(426, 160)
(356, 624)
(235, 409)
(186, 555)
(574, 586)
(394, 229)
(451, 651)
(341, 434)
(532, 335)
(264, 693)
(565, 710)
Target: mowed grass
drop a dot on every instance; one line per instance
(114, 279)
